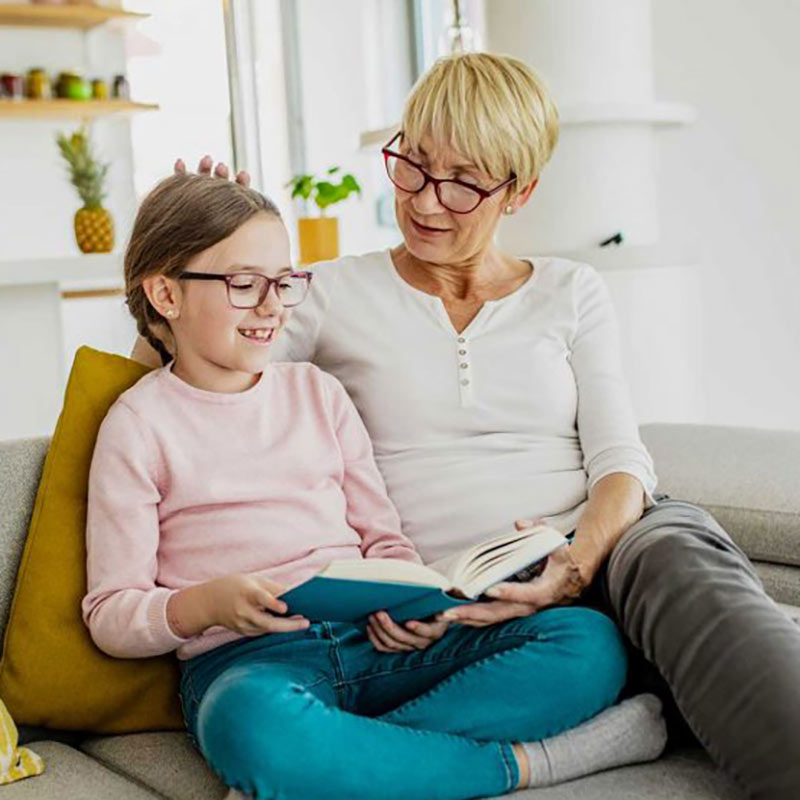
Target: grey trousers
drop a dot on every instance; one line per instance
(708, 640)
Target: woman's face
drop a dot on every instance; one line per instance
(431, 232)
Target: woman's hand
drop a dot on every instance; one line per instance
(560, 583)
(204, 168)
(242, 603)
(389, 637)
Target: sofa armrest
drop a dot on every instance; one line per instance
(21, 465)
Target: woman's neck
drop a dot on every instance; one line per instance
(490, 275)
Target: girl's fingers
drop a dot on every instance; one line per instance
(281, 625)
(204, 166)
(398, 633)
(266, 600)
(180, 167)
(376, 643)
(221, 171)
(243, 178)
(430, 630)
(387, 640)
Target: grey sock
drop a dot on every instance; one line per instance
(627, 733)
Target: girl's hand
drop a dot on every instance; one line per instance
(204, 168)
(388, 636)
(242, 603)
(560, 583)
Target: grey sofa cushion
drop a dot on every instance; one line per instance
(681, 775)
(746, 477)
(21, 465)
(169, 764)
(781, 583)
(71, 775)
(165, 761)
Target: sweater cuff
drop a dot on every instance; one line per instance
(163, 636)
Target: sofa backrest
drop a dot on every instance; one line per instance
(21, 465)
(746, 477)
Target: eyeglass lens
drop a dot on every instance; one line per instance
(410, 178)
(246, 291)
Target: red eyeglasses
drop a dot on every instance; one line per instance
(456, 196)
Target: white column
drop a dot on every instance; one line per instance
(595, 56)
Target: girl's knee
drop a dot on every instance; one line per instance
(245, 725)
(598, 662)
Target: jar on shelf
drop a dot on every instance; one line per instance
(12, 86)
(37, 84)
(99, 89)
(72, 86)
(121, 89)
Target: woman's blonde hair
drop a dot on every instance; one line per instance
(181, 217)
(494, 110)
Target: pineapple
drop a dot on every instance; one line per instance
(94, 227)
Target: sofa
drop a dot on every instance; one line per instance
(747, 478)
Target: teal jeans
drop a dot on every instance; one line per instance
(321, 713)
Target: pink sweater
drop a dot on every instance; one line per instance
(188, 485)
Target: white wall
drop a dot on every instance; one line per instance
(37, 202)
(355, 73)
(729, 189)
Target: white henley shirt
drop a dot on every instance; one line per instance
(517, 416)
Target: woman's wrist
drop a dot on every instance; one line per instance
(586, 556)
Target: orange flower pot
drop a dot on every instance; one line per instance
(319, 239)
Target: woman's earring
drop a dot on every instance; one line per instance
(508, 210)
(170, 314)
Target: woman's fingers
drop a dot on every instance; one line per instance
(521, 524)
(204, 165)
(488, 613)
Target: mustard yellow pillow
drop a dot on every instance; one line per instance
(52, 673)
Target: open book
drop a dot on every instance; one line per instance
(348, 590)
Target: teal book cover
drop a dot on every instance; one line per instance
(342, 600)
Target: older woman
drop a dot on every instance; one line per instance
(492, 389)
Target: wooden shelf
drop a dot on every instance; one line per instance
(68, 109)
(63, 16)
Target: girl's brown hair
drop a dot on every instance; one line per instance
(181, 217)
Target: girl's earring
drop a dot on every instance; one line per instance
(508, 210)
(170, 314)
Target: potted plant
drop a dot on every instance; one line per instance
(94, 227)
(319, 236)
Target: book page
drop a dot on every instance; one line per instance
(499, 566)
(387, 570)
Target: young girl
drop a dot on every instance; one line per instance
(220, 480)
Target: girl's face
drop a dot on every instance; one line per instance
(219, 347)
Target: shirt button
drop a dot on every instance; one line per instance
(464, 366)
(465, 382)
(461, 340)
(462, 352)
